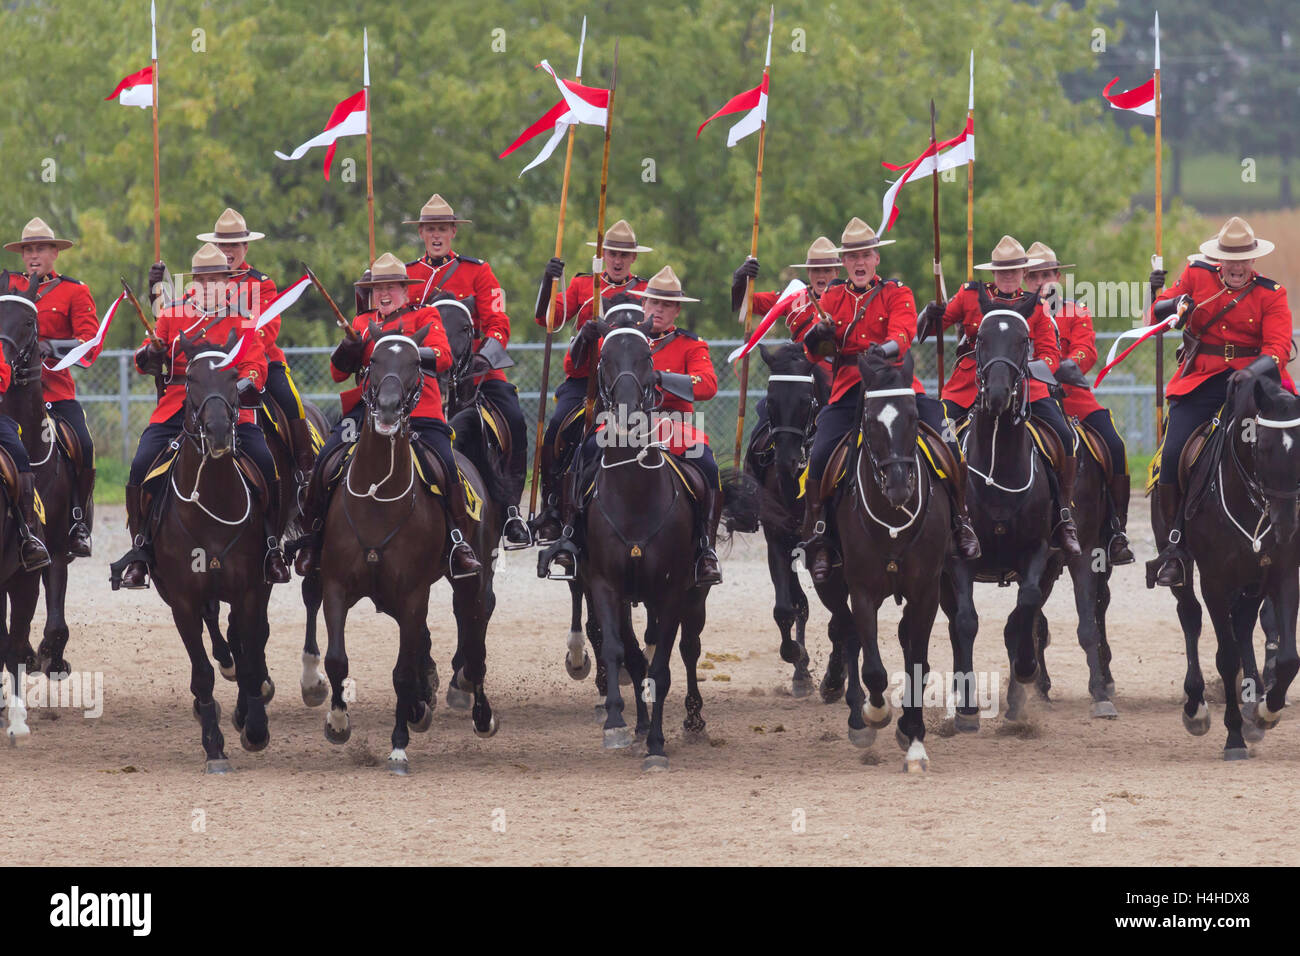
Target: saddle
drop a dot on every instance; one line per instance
(162, 466)
(1048, 442)
(687, 472)
(1191, 453)
(66, 438)
(495, 423)
(272, 418)
(9, 475)
(930, 443)
(1091, 440)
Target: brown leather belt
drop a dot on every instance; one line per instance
(1229, 351)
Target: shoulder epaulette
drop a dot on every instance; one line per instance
(580, 275)
(79, 282)
(893, 281)
(470, 259)
(259, 276)
(1202, 264)
(1268, 284)
(835, 282)
(973, 285)
(416, 261)
(688, 334)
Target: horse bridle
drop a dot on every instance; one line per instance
(192, 426)
(806, 432)
(410, 397)
(650, 398)
(22, 362)
(1019, 365)
(878, 465)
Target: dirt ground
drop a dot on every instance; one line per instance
(126, 787)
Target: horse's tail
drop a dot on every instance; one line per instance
(741, 498)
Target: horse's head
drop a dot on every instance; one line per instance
(796, 389)
(211, 393)
(18, 328)
(1277, 451)
(625, 373)
(457, 315)
(1003, 348)
(889, 424)
(394, 379)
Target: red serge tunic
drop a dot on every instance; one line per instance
(406, 321)
(884, 311)
(575, 301)
(964, 309)
(212, 329)
(463, 277)
(680, 351)
(1078, 342)
(256, 302)
(64, 310)
(1260, 319)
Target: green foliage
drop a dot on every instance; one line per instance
(445, 104)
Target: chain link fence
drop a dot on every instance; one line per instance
(118, 400)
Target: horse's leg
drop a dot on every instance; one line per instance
(1244, 612)
(597, 642)
(636, 664)
(472, 602)
(914, 636)
(866, 611)
(248, 621)
(1103, 644)
(667, 618)
(576, 660)
(693, 615)
(1286, 601)
(1018, 635)
(312, 682)
(784, 611)
(861, 733)
(834, 595)
(189, 623)
(220, 647)
(50, 654)
(338, 726)
(24, 595)
(13, 706)
(1085, 605)
(1196, 714)
(956, 596)
(1272, 636)
(1042, 638)
(1227, 662)
(607, 607)
(802, 684)
(409, 707)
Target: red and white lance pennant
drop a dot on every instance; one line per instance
(1140, 99)
(949, 154)
(137, 89)
(793, 291)
(287, 297)
(348, 119)
(79, 354)
(1142, 334)
(753, 103)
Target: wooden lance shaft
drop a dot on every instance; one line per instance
(938, 267)
(343, 323)
(747, 309)
(597, 302)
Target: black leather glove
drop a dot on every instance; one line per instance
(250, 396)
(1157, 280)
(1263, 365)
(348, 354)
(149, 358)
(428, 359)
(361, 294)
(740, 281)
(929, 321)
(157, 273)
(554, 270)
(886, 350)
(584, 341)
(1167, 307)
(820, 339)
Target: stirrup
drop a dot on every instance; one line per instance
(457, 542)
(1119, 542)
(562, 545)
(514, 518)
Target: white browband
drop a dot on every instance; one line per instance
(790, 378)
(1270, 423)
(211, 353)
(399, 337)
(627, 331)
(456, 302)
(888, 392)
(20, 298)
(623, 307)
(1006, 312)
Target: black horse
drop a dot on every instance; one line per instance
(895, 529)
(385, 538)
(639, 537)
(1011, 505)
(1241, 517)
(778, 451)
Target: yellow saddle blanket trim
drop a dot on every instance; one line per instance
(38, 506)
(490, 423)
(920, 443)
(673, 463)
(162, 467)
(473, 503)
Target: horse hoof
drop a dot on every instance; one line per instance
(19, 733)
(458, 699)
(624, 678)
(1264, 718)
(616, 738)
(581, 671)
(863, 737)
(1236, 753)
(830, 693)
(916, 760)
(227, 670)
(1253, 731)
(217, 766)
(966, 723)
(801, 687)
(598, 713)
(1029, 678)
(877, 717)
(1103, 708)
(398, 765)
(237, 721)
(217, 703)
(268, 691)
(422, 723)
(654, 763)
(491, 728)
(315, 695)
(902, 739)
(1199, 725)
(253, 746)
(338, 734)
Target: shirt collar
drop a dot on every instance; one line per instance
(440, 261)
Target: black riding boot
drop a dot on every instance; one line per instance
(706, 522)
(32, 551)
(563, 551)
(516, 531)
(312, 521)
(1118, 549)
(546, 527)
(462, 562)
(1067, 535)
(79, 533)
(136, 574)
(819, 553)
(1171, 571)
(274, 569)
(966, 540)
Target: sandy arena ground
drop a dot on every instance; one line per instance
(127, 787)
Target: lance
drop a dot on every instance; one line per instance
(598, 264)
(157, 215)
(338, 316)
(370, 180)
(148, 327)
(938, 263)
(550, 304)
(1157, 260)
(746, 310)
(970, 178)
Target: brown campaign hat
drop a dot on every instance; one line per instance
(1236, 240)
(387, 268)
(230, 227)
(37, 231)
(666, 286)
(1009, 254)
(435, 210)
(210, 260)
(858, 236)
(821, 255)
(620, 238)
(1044, 252)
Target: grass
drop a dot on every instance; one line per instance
(1212, 181)
(110, 481)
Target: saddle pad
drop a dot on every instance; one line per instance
(67, 441)
(1187, 458)
(1096, 447)
(684, 471)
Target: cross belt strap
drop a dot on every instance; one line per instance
(1192, 340)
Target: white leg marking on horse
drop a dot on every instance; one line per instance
(338, 719)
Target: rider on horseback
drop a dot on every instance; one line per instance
(387, 283)
(206, 314)
(685, 355)
(967, 309)
(441, 269)
(867, 313)
(1078, 347)
(1236, 326)
(65, 318)
(565, 428)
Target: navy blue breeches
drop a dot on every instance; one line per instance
(1186, 412)
(571, 394)
(157, 436)
(70, 410)
(1101, 422)
(506, 399)
(11, 443)
(280, 384)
